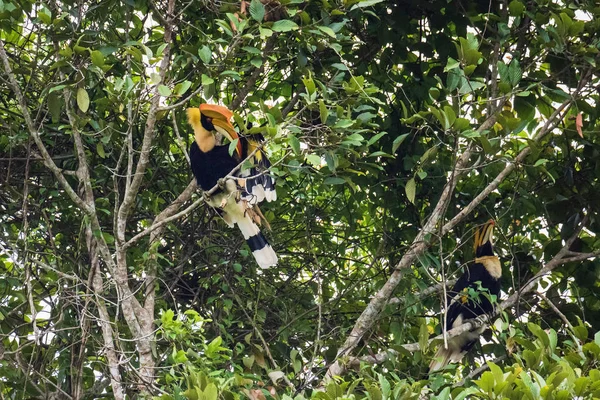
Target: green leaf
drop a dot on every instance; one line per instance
(539, 162)
(100, 150)
(182, 87)
(340, 66)
(327, 30)
(309, 84)
(294, 144)
(314, 160)
(256, 62)
(324, 113)
(486, 382)
(284, 25)
(334, 180)
(97, 58)
(248, 361)
(180, 357)
(264, 32)
(210, 392)
(365, 3)
(206, 80)
(83, 100)
(450, 116)
(257, 10)
(410, 189)
(514, 73)
(451, 64)
(164, 90)
(235, 75)
(516, 8)
(205, 54)
(154, 79)
(461, 124)
(376, 138)
(233, 146)
(252, 50)
(398, 141)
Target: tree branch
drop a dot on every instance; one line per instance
(511, 301)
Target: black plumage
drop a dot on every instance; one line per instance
(473, 295)
(211, 166)
(210, 163)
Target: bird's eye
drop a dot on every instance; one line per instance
(209, 120)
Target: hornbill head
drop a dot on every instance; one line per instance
(484, 239)
(217, 118)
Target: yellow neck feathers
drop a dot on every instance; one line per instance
(205, 139)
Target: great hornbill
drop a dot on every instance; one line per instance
(211, 163)
(471, 297)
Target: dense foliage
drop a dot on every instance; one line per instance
(394, 129)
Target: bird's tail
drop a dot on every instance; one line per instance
(236, 212)
(442, 358)
(261, 249)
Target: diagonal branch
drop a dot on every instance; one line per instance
(564, 256)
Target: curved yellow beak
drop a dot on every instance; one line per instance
(220, 117)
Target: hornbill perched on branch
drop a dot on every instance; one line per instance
(471, 297)
(212, 163)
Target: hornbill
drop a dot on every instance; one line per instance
(481, 277)
(211, 163)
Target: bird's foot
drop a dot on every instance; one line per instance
(206, 197)
(222, 182)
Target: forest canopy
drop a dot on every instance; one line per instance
(394, 128)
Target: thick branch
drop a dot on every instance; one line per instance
(420, 244)
(558, 260)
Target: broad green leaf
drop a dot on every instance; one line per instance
(294, 143)
(450, 116)
(410, 189)
(314, 160)
(309, 84)
(256, 62)
(97, 58)
(451, 64)
(327, 30)
(83, 100)
(206, 80)
(100, 150)
(376, 138)
(398, 141)
(257, 10)
(365, 3)
(334, 180)
(323, 111)
(164, 90)
(516, 8)
(182, 87)
(233, 146)
(486, 382)
(205, 54)
(284, 25)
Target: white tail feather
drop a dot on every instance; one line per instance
(266, 256)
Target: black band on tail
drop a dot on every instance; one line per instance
(257, 242)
